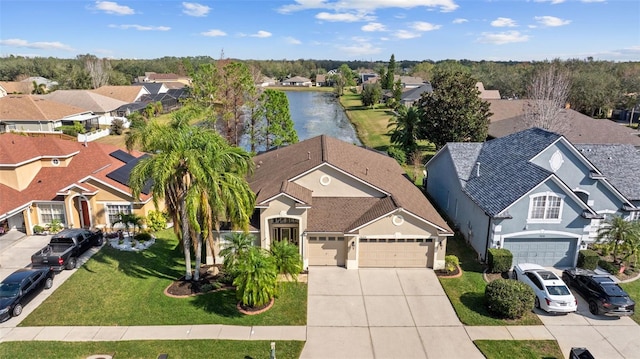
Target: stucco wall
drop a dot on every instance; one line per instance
(337, 184)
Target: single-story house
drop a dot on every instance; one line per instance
(409, 82)
(321, 80)
(102, 106)
(266, 82)
(533, 192)
(344, 205)
(82, 186)
(508, 117)
(15, 88)
(297, 81)
(31, 113)
(487, 94)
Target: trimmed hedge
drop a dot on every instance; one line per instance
(609, 267)
(588, 259)
(508, 298)
(500, 260)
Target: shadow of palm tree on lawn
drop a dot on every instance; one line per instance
(222, 303)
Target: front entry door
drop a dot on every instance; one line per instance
(84, 207)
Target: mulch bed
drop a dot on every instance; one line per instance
(208, 282)
(490, 277)
(444, 274)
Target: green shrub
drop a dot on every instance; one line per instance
(37, 229)
(451, 263)
(508, 298)
(117, 126)
(68, 130)
(500, 260)
(588, 259)
(156, 221)
(142, 237)
(55, 226)
(397, 154)
(609, 267)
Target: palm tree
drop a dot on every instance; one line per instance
(257, 278)
(129, 220)
(237, 244)
(200, 177)
(632, 244)
(615, 232)
(287, 258)
(405, 129)
(39, 89)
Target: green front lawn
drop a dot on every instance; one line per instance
(521, 349)
(192, 349)
(633, 288)
(126, 288)
(466, 293)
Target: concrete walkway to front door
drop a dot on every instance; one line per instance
(382, 313)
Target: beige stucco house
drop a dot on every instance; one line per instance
(345, 205)
(32, 113)
(82, 186)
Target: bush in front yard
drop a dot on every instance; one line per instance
(451, 263)
(500, 260)
(609, 267)
(508, 298)
(588, 259)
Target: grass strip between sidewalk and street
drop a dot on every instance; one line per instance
(521, 349)
(192, 349)
(127, 289)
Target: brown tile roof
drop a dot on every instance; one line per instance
(508, 118)
(341, 212)
(296, 191)
(93, 160)
(127, 94)
(174, 84)
(375, 169)
(30, 107)
(17, 87)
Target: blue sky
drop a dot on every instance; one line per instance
(518, 30)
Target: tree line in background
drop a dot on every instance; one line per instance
(596, 86)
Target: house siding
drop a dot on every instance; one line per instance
(340, 184)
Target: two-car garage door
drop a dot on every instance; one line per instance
(548, 252)
(403, 253)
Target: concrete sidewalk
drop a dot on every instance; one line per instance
(161, 332)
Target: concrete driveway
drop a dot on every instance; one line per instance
(382, 313)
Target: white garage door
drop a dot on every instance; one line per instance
(551, 252)
(395, 252)
(326, 251)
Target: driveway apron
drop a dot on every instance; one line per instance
(382, 313)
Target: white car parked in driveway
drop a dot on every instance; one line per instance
(552, 294)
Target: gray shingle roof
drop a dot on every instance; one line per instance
(505, 171)
(619, 163)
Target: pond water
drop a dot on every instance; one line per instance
(317, 113)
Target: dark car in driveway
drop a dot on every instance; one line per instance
(602, 293)
(20, 287)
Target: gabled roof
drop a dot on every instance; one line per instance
(30, 108)
(16, 87)
(415, 93)
(508, 118)
(297, 79)
(122, 93)
(85, 99)
(154, 88)
(619, 163)
(87, 162)
(408, 80)
(376, 170)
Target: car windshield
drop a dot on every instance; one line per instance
(8, 290)
(558, 290)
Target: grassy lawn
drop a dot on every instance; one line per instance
(633, 288)
(126, 288)
(522, 349)
(466, 293)
(370, 124)
(150, 349)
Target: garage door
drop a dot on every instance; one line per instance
(557, 252)
(394, 252)
(326, 251)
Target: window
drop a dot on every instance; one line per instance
(114, 209)
(545, 207)
(51, 211)
(634, 216)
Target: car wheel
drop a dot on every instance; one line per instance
(71, 263)
(17, 310)
(593, 307)
(99, 242)
(537, 302)
(48, 283)
(515, 275)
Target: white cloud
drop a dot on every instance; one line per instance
(214, 33)
(360, 49)
(404, 34)
(261, 34)
(195, 9)
(41, 45)
(500, 38)
(551, 21)
(141, 27)
(424, 26)
(292, 40)
(111, 7)
(553, 2)
(343, 17)
(503, 22)
(373, 26)
(460, 21)
(367, 5)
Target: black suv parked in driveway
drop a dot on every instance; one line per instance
(602, 293)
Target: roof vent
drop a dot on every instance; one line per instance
(366, 171)
(477, 169)
(308, 155)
